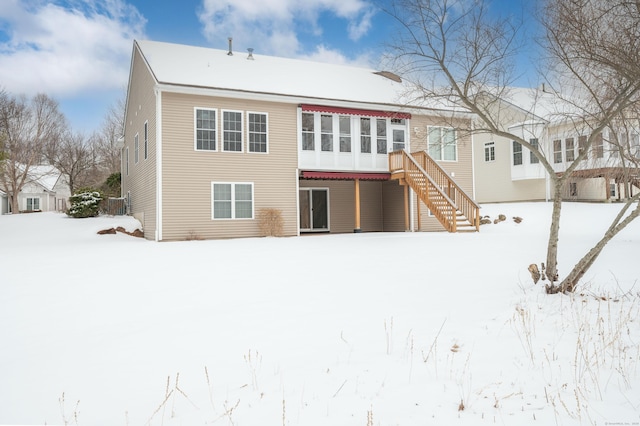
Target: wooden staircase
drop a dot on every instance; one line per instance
(453, 208)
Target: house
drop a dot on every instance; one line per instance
(45, 190)
(4, 203)
(213, 137)
(505, 171)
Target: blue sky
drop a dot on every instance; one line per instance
(78, 51)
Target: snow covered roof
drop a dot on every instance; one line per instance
(183, 65)
(542, 104)
(45, 176)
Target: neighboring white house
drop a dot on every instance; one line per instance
(4, 203)
(46, 190)
(506, 171)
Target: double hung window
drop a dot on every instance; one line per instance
(582, 146)
(532, 156)
(308, 132)
(206, 129)
(345, 133)
(489, 151)
(557, 151)
(232, 200)
(598, 146)
(258, 132)
(326, 133)
(365, 135)
(442, 144)
(232, 131)
(381, 136)
(569, 150)
(517, 153)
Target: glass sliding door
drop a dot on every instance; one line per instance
(314, 209)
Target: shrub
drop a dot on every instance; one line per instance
(85, 203)
(270, 222)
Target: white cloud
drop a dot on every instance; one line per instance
(275, 26)
(63, 48)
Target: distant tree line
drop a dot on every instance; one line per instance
(34, 132)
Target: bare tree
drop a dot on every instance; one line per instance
(455, 52)
(74, 157)
(105, 140)
(26, 128)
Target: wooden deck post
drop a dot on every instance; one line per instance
(406, 207)
(357, 206)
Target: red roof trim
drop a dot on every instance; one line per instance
(352, 111)
(344, 175)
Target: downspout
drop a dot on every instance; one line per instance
(473, 163)
(297, 177)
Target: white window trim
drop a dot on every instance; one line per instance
(513, 154)
(242, 130)
(233, 201)
(126, 159)
(26, 203)
(455, 138)
(195, 129)
(489, 145)
(248, 132)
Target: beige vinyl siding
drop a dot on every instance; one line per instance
(342, 204)
(493, 178)
(461, 170)
(141, 182)
(393, 206)
(188, 174)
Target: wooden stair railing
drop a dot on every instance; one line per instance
(436, 189)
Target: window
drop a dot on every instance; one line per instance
(206, 129)
(232, 131)
(598, 146)
(232, 200)
(398, 139)
(490, 151)
(398, 133)
(634, 145)
(136, 148)
(569, 150)
(33, 203)
(365, 135)
(381, 133)
(442, 144)
(146, 140)
(573, 189)
(308, 142)
(326, 132)
(258, 132)
(612, 189)
(345, 133)
(517, 153)
(557, 151)
(582, 146)
(536, 146)
(126, 161)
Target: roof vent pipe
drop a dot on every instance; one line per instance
(230, 53)
(250, 50)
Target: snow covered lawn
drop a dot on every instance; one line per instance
(355, 329)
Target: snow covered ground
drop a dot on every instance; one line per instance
(355, 329)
